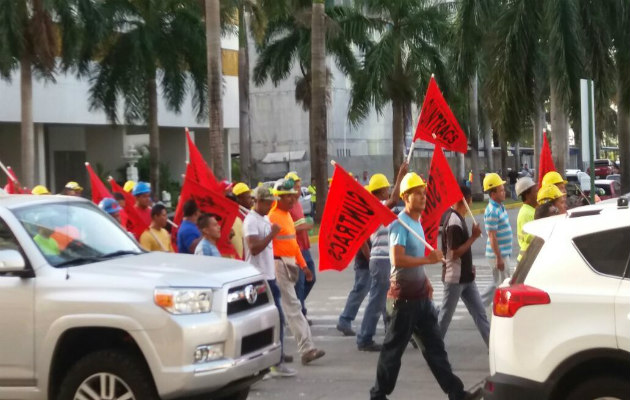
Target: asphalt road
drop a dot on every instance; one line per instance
(346, 373)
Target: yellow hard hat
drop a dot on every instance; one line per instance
(72, 185)
(329, 181)
(410, 181)
(548, 193)
(129, 185)
(491, 181)
(377, 181)
(40, 189)
(240, 188)
(552, 178)
(292, 175)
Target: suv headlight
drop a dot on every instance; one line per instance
(184, 300)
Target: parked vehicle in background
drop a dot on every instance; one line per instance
(603, 168)
(571, 175)
(560, 327)
(305, 201)
(614, 177)
(610, 187)
(87, 314)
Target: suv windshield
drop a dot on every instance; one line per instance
(74, 233)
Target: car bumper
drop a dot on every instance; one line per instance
(502, 386)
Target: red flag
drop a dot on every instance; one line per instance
(135, 223)
(351, 215)
(99, 191)
(436, 118)
(13, 185)
(197, 168)
(442, 192)
(211, 202)
(546, 162)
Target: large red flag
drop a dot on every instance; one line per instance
(13, 184)
(437, 123)
(351, 215)
(546, 162)
(210, 202)
(135, 223)
(99, 191)
(197, 168)
(442, 192)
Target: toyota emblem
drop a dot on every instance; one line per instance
(251, 294)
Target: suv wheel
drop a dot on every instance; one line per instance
(240, 395)
(106, 375)
(599, 387)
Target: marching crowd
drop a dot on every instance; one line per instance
(272, 235)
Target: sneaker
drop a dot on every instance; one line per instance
(371, 347)
(346, 330)
(474, 395)
(281, 370)
(310, 322)
(312, 355)
(287, 358)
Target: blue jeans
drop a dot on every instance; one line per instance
(362, 282)
(379, 272)
(275, 292)
(471, 298)
(302, 286)
(416, 318)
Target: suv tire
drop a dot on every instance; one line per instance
(601, 386)
(240, 395)
(128, 373)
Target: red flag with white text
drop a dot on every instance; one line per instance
(546, 161)
(351, 215)
(437, 124)
(99, 191)
(442, 192)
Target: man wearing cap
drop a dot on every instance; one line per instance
(409, 301)
(111, 207)
(243, 195)
(551, 201)
(527, 190)
(302, 226)
(40, 190)
(142, 193)
(259, 234)
(554, 178)
(288, 262)
(499, 243)
(380, 266)
(72, 189)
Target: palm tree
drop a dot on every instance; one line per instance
(213, 54)
(317, 115)
(146, 44)
(397, 65)
(27, 40)
(621, 40)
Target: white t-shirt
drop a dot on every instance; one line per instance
(259, 226)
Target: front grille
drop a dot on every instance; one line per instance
(238, 300)
(256, 341)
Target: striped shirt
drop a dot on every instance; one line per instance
(496, 219)
(380, 238)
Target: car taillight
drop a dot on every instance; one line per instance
(508, 300)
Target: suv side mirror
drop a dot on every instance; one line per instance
(11, 261)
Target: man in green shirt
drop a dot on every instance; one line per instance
(47, 245)
(313, 192)
(527, 190)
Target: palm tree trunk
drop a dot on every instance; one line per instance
(623, 131)
(317, 116)
(27, 133)
(473, 105)
(213, 54)
(504, 154)
(486, 128)
(539, 127)
(559, 131)
(398, 133)
(243, 97)
(154, 137)
(517, 156)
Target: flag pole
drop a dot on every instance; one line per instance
(413, 144)
(417, 235)
(6, 171)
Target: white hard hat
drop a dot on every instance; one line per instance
(523, 184)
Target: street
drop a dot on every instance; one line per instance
(346, 373)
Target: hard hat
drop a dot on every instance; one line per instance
(552, 178)
(40, 189)
(141, 188)
(129, 185)
(240, 188)
(523, 184)
(410, 181)
(329, 181)
(548, 193)
(284, 186)
(377, 181)
(72, 185)
(109, 205)
(491, 181)
(292, 175)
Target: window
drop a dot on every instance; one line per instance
(523, 267)
(607, 252)
(7, 240)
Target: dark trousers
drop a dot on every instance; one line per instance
(275, 292)
(302, 286)
(417, 318)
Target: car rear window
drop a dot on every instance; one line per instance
(607, 252)
(605, 188)
(523, 266)
(602, 163)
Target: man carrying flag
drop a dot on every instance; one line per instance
(409, 302)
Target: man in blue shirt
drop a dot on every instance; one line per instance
(409, 302)
(188, 234)
(211, 232)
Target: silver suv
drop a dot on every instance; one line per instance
(87, 314)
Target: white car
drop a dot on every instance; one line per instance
(560, 327)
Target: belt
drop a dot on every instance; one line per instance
(277, 258)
